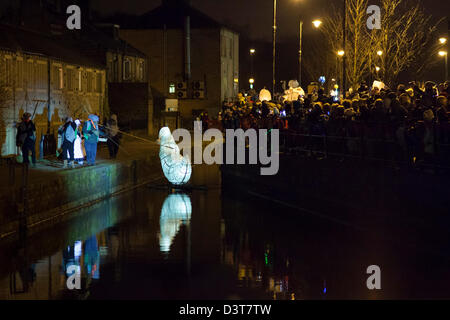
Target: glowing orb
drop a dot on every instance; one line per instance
(176, 168)
(175, 211)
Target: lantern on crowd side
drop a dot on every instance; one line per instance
(264, 95)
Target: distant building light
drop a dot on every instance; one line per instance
(172, 88)
(252, 51)
(236, 80)
(317, 23)
(251, 80)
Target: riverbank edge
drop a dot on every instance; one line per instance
(50, 200)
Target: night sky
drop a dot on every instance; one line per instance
(255, 16)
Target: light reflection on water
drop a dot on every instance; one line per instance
(154, 244)
(176, 211)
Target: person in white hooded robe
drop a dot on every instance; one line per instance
(78, 145)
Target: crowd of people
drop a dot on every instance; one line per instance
(77, 140)
(415, 119)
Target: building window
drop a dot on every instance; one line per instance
(90, 81)
(70, 79)
(80, 80)
(98, 85)
(19, 74)
(8, 71)
(126, 69)
(61, 78)
(172, 88)
(41, 75)
(29, 74)
(140, 71)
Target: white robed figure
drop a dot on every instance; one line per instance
(176, 168)
(79, 153)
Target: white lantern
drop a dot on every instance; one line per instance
(264, 95)
(176, 168)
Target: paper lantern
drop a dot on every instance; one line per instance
(176, 168)
(264, 95)
(176, 211)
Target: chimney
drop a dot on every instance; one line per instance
(174, 3)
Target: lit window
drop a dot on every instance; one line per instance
(61, 78)
(172, 88)
(126, 69)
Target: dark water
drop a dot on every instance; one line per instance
(209, 244)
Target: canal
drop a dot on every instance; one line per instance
(208, 243)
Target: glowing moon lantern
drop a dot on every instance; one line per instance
(175, 211)
(176, 168)
(264, 95)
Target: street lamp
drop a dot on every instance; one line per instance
(251, 81)
(252, 53)
(443, 40)
(316, 24)
(340, 53)
(274, 42)
(380, 53)
(445, 54)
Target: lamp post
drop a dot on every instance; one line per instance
(252, 54)
(316, 24)
(274, 45)
(344, 31)
(300, 55)
(445, 55)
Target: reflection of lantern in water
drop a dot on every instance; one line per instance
(175, 211)
(176, 168)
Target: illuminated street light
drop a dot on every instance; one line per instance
(251, 80)
(445, 54)
(443, 40)
(340, 53)
(252, 51)
(317, 23)
(377, 69)
(380, 53)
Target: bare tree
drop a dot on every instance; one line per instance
(405, 35)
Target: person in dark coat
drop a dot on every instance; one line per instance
(69, 134)
(112, 130)
(26, 138)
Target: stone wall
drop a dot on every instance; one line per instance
(56, 194)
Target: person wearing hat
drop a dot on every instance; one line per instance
(26, 138)
(91, 134)
(68, 134)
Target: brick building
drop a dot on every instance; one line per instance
(78, 71)
(35, 69)
(192, 58)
